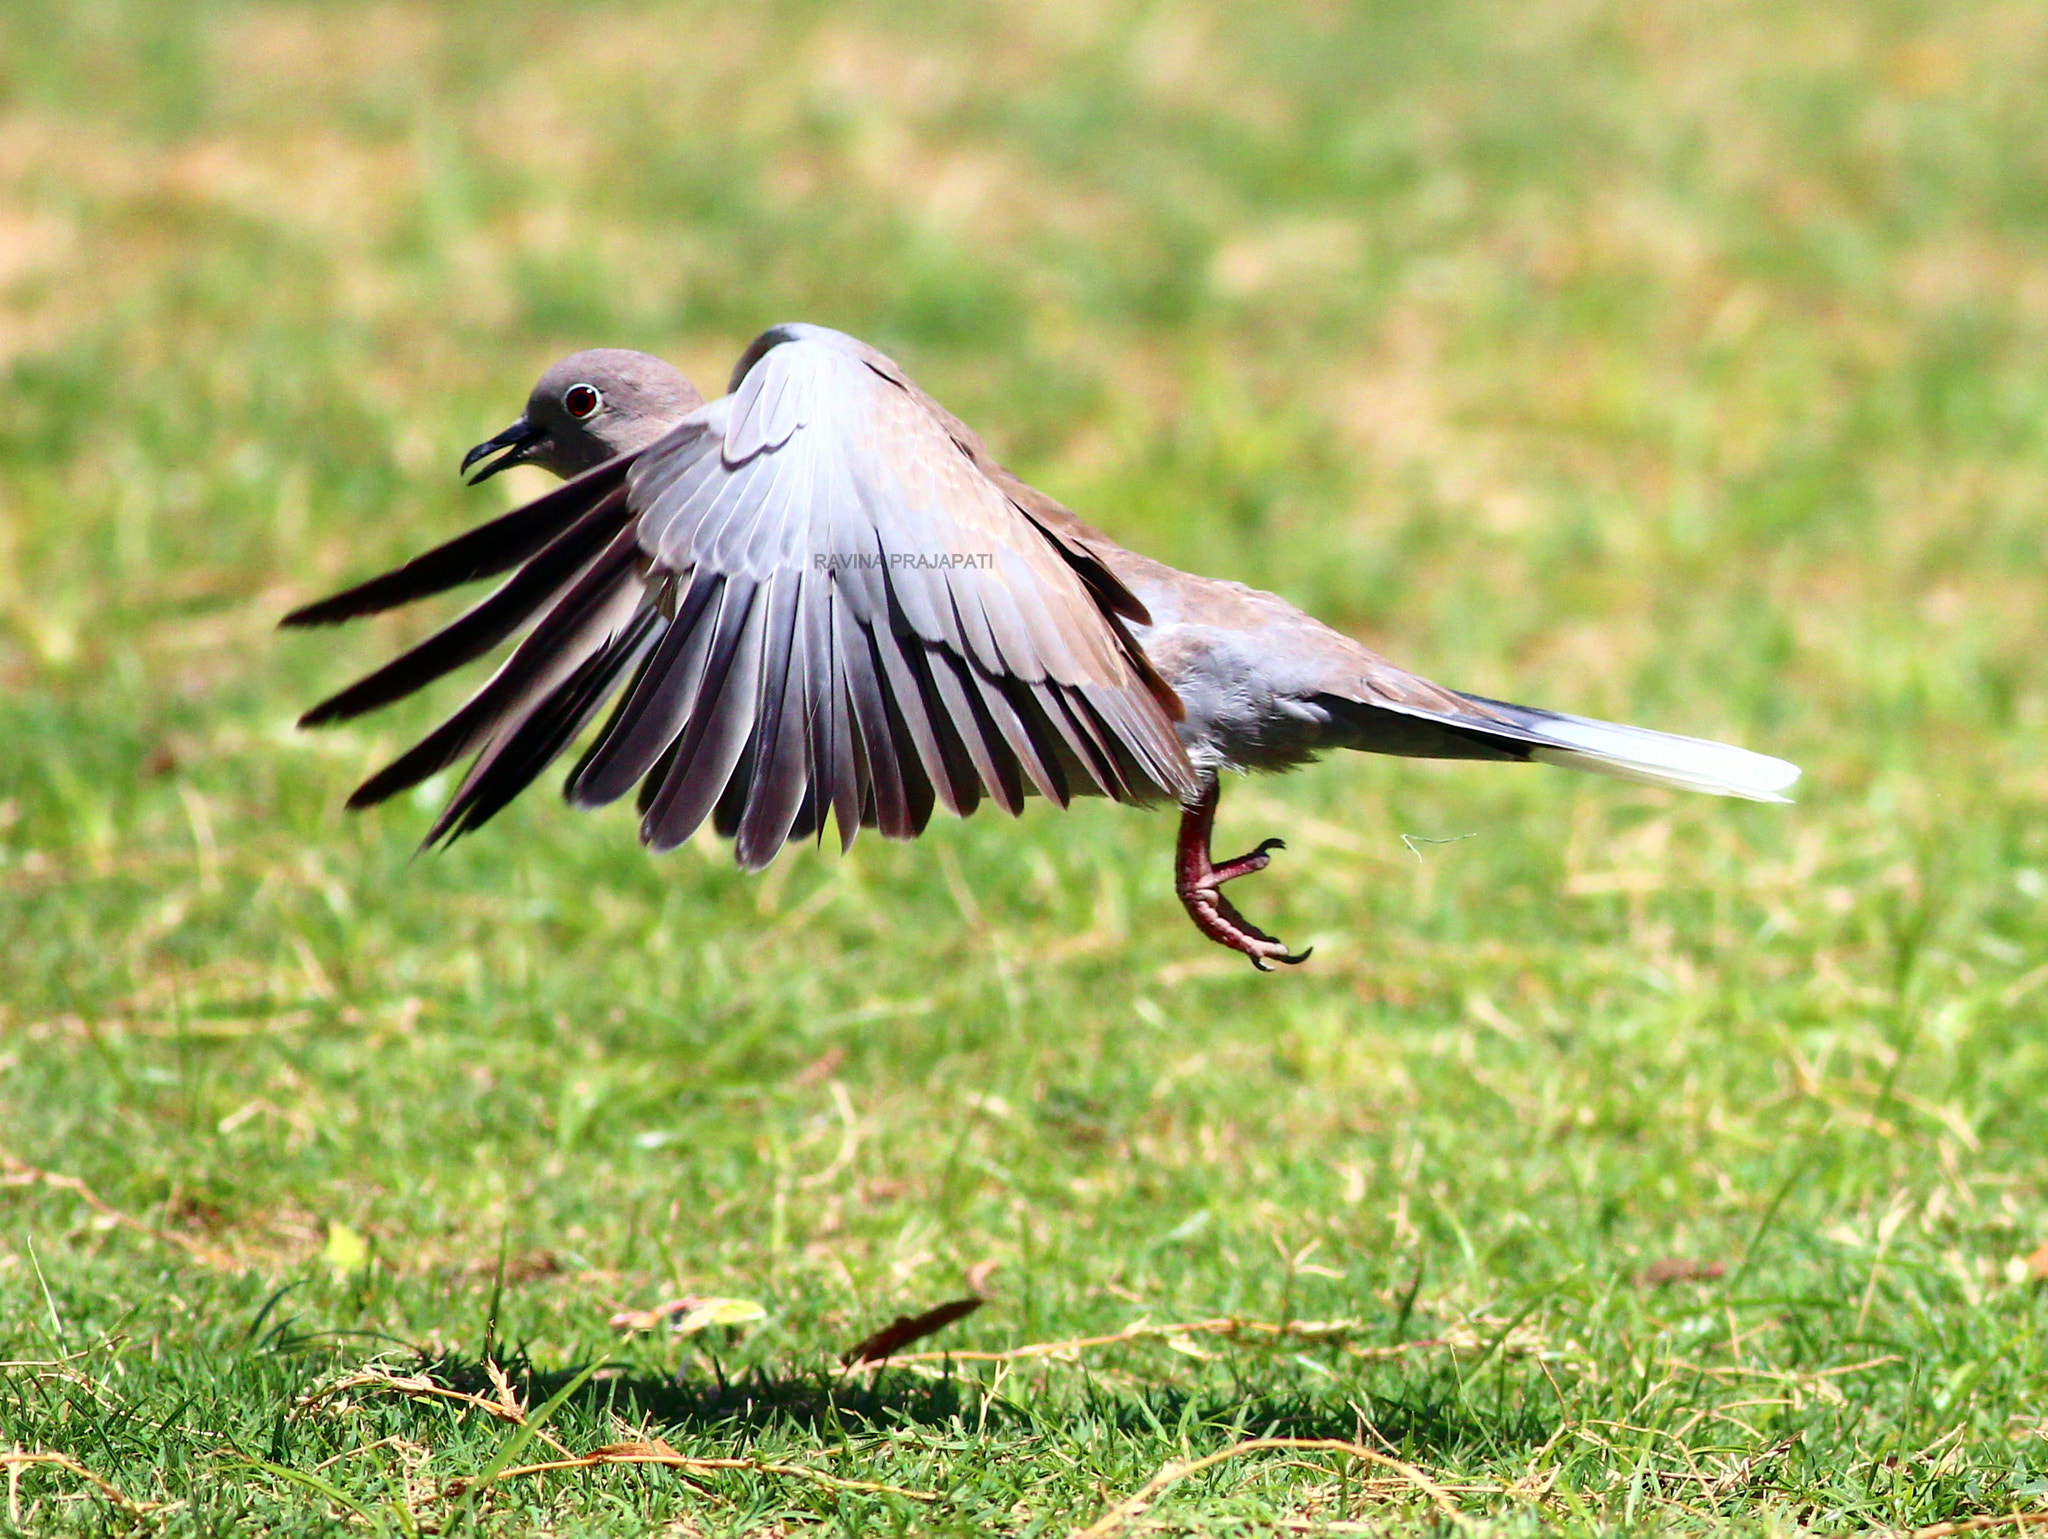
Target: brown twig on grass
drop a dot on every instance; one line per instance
(507, 1407)
(659, 1452)
(13, 1460)
(18, 1172)
(1114, 1520)
(1978, 1525)
(1145, 1330)
(418, 1386)
(105, 1343)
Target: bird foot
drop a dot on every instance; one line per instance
(1199, 879)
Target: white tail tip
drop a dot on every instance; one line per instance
(1661, 759)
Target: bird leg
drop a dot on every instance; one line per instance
(1198, 878)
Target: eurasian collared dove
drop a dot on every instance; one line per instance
(820, 592)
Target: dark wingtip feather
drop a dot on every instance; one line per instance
(418, 578)
(484, 551)
(400, 775)
(394, 681)
(328, 711)
(481, 627)
(325, 612)
(429, 756)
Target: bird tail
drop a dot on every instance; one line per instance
(1643, 756)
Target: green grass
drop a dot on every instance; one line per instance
(1680, 363)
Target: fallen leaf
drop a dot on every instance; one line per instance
(2037, 1265)
(710, 1312)
(346, 1252)
(1674, 1269)
(904, 1329)
(690, 1313)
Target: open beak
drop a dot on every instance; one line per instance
(517, 443)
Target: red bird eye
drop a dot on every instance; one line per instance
(581, 401)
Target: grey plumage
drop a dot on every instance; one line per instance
(809, 596)
(818, 596)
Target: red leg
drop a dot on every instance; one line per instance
(1199, 879)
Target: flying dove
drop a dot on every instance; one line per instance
(818, 595)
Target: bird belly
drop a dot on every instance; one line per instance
(1235, 718)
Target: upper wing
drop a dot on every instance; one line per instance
(859, 618)
(823, 598)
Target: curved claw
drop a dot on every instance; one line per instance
(1199, 879)
(1260, 949)
(1256, 859)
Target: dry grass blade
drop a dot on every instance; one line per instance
(418, 1386)
(1145, 1330)
(107, 1344)
(658, 1452)
(1125, 1511)
(15, 1459)
(513, 1407)
(18, 1172)
(1978, 1525)
(507, 1407)
(1677, 1269)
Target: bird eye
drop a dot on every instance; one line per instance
(581, 401)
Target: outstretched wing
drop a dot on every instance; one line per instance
(820, 597)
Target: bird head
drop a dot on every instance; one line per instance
(588, 408)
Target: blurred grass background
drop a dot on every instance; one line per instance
(1680, 363)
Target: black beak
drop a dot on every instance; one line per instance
(518, 441)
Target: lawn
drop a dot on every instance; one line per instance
(1621, 1162)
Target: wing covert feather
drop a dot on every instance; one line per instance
(917, 634)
